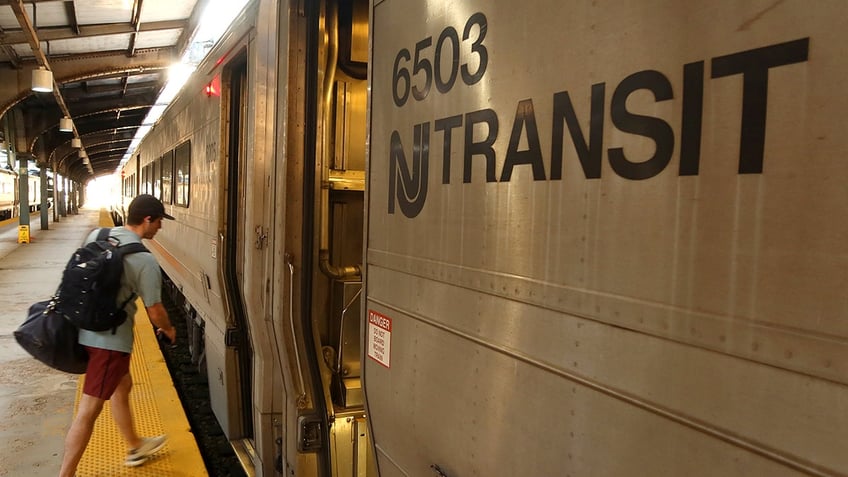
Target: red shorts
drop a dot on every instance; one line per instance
(106, 369)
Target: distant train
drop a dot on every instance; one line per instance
(545, 238)
(34, 191)
(10, 193)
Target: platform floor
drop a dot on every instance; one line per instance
(37, 403)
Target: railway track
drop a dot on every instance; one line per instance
(193, 390)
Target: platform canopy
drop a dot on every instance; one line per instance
(109, 61)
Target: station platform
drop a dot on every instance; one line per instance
(37, 403)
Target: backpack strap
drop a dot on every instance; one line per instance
(103, 234)
(133, 247)
(124, 250)
(129, 299)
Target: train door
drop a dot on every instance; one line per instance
(325, 107)
(338, 285)
(232, 243)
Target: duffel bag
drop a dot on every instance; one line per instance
(52, 339)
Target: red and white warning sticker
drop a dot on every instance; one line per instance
(379, 338)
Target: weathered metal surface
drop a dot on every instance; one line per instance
(608, 238)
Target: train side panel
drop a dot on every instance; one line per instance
(188, 248)
(34, 192)
(217, 252)
(8, 194)
(607, 241)
(187, 245)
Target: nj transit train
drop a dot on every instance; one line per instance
(595, 240)
(10, 193)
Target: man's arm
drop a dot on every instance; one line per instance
(159, 316)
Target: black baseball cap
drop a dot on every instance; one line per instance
(145, 205)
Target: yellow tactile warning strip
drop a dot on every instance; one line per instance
(156, 410)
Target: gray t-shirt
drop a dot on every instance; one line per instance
(141, 276)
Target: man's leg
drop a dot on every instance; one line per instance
(122, 414)
(140, 449)
(105, 373)
(80, 433)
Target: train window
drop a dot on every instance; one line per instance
(167, 175)
(146, 186)
(182, 173)
(156, 178)
(131, 192)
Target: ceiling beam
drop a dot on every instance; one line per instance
(136, 25)
(192, 25)
(71, 10)
(10, 52)
(12, 55)
(83, 69)
(84, 108)
(122, 89)
(92, 125)
(12, 2)
(35, 45)
(82, 31)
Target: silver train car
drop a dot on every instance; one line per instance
(33, 192)
(8, 194)
(431, 238)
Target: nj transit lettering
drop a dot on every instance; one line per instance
(408, 181)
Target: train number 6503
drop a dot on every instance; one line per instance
(421, 65)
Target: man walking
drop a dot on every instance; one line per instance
(108, 374)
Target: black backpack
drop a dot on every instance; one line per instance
(90, 283)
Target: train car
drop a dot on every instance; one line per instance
(49, 190)
(8, 194)
(265, 322)
(607, 239)
(422, 238)
(34, 191)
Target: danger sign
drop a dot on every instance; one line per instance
(379, 338)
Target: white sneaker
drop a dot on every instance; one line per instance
(149, 446)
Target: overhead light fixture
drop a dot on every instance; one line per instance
(42, 80)
(76, 143)
(85, 160)
(82, 153)
(66, 124)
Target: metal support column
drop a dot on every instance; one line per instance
(55, 194)
(45, 219)
(23, 189)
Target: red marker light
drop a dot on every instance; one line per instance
(214, 87)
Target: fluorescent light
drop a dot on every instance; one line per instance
(42, 80)
(66, 125)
